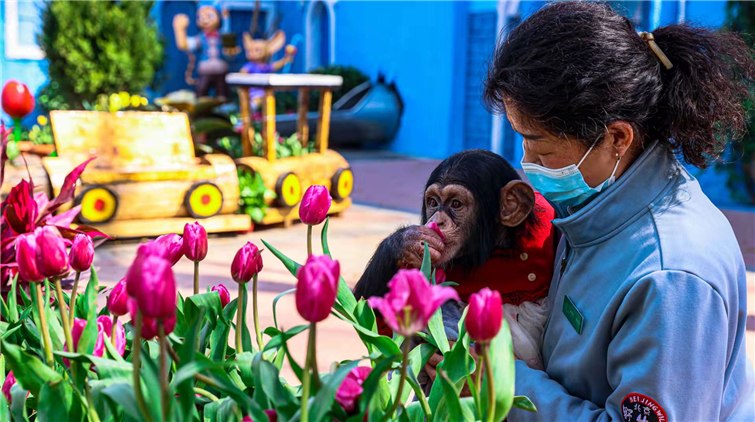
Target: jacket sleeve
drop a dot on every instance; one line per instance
(670, 344)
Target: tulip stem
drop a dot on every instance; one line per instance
(478, 385)
(64, 320)
(114, 330)
(205, 393)
(43, 322)
(240, 319)
(196, 277)
(310, 364)
(72, 305)
(491, 383)
(256, 313)
(309, 240)
(135, 361)
(92, 410)
(402, 379)
(163, 370)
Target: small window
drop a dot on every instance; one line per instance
(23, 23)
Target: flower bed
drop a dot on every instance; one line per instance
(177, 360)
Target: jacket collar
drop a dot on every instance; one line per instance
(621, 202)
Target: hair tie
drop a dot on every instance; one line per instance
(650, 39)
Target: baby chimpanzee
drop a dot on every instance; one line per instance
(497, 233)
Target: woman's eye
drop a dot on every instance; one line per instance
(432, 203)
(456, 204)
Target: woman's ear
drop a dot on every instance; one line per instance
(620, 135)
(517, 201)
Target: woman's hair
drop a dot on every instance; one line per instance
(572, 68)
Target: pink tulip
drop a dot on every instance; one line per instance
(314, 205)
(149, 325)
(225, 297)
(117, 302)
(440, 276)
(410, 302)
(82, 252)
(271, 416)
(104, 330)
(174, 246)
(156, 296)
(52, 258)
(195, 241)
(351, 388)
(10, 380)
(26, 257)
(246, 263)
(133, 276)
(317, 287)
(484, 315)
(434, 226)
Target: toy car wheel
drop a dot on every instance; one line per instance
(342, 184)
(288, 189)
(98, 205)
(203, 200)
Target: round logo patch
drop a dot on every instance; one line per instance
(638, 407)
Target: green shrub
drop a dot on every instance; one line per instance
(96, 48)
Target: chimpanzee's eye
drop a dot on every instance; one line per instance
(432, 203)
(456, 204)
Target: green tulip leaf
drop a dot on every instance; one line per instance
(324, 399)
(291, 265)
(122, 393)
(384, 344)
(209, 303)
(376, 384)
(427, 266)
(524, 403)
(277, 338)
(12, 305)
(454, 365)
(219, 341)
(185, 385)
(57, 402)
(30, 372)
(324, 238)
(275, 304)
(502, 355)
(222, 410)
(244, 363)
(450, 397)
(438, 331)
(18, 403)
(282, 399)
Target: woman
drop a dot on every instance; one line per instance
(648, 297)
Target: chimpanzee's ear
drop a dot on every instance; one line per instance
(517, 201)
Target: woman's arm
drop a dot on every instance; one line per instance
(670, 349)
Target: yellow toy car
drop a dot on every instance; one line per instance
(146, 179)
(289, 177)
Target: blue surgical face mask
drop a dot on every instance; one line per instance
(565, 186)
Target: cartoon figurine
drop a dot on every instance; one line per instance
(212, 68)
(258, 54)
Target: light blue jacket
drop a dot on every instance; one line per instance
(655, 271)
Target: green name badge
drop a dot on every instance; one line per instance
(573, 315)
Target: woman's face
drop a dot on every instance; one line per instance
(551, 151)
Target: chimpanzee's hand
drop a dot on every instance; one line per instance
(413, 240)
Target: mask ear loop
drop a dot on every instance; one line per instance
(618, 160)
(588, 152)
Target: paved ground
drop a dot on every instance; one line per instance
(394, 185)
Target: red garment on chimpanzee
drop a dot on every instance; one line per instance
(520, 275)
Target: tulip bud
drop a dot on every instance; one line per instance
(484, 315)
(351, 388)
(174, 246)
(440, 276)
(225, 297)
(410, 302)
(82, 252)
(26, 257)
(7, 385)
(77, 328)
(52, 258)
(317, 287)
(246, 263)
(104, 330)
(314, 205)
(434, 227)
(17, 100)
(195, 241)
(156, 296)
(133, 276)
(117, 302)
(149, 325)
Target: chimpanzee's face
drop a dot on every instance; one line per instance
(453, 208)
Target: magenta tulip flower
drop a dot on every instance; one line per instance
(410, 302)
(104, 331)
(225, 296)
(271, 416)
(52, 258)
(174, 246)
(26, 257)
(195, 241)
(484, 315)
(156, 296)
(82, 252)
(434, 226)
(351, 388)
(440, 276)
(317, 287)
(10, 380)
(117, 302)
(133, 276)
(246, 264)
(314, 205)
